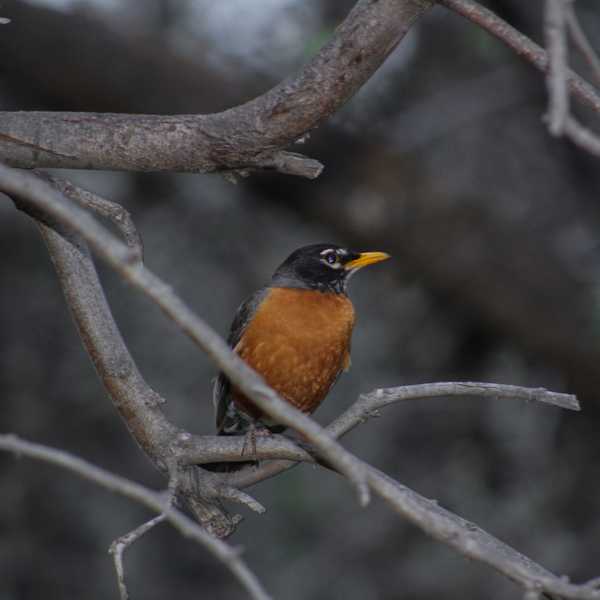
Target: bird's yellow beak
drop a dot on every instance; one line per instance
(364, 259)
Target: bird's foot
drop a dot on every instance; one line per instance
(255, 431)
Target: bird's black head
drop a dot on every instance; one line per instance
(324, 267)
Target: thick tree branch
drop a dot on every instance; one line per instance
(137, 403)
(250, 136)
(153, 500)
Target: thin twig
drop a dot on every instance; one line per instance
(582, 136)
(371, 402)
(153, 500)
(555, 29)
(582, 42)
(112, 211)
(118, 547)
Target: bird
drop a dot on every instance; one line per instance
(296, 333)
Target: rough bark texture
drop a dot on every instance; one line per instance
(247, 136)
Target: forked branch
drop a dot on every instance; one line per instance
(560, 19)
(153, 500)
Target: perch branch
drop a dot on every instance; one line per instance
(153, 500)
(194, 450)
(246, 137)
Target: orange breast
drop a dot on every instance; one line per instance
(299, 341)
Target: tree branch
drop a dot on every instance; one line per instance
(112, 211)
(464, 536)
(136, 402)
(560, 19)
(194, 450)
(581, 136)
(556, 77)
(521, 44)
(118, 547)
(249, 136)
(581, 41)
(559, 78)
(153, 500)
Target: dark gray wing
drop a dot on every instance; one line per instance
(228, 419)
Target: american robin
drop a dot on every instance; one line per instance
(295, 333)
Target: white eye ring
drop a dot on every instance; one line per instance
(331, 258)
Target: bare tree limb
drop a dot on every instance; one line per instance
(462, 535)
(250, 136)
(369, 403)
(560, 78)
(153, 500)
(136, 402)
(560, 19)
(193, 450)
(521, 44)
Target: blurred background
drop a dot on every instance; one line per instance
(442, 160)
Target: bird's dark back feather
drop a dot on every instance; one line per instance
(228, 419)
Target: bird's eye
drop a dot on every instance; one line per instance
(331, 258)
